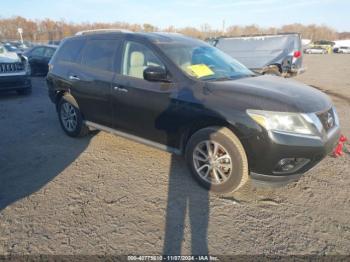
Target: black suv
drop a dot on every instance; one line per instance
(187, 97)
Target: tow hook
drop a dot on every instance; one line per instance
(341, 148)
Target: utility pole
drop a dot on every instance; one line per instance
(20, 31)
(223, 27)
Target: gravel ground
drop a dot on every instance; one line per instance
(106, 195)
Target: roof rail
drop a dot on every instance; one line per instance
(95, 31)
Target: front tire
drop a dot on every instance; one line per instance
(70, 117)
(217, 160)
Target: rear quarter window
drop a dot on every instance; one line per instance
(69, 51)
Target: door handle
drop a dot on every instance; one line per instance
(117, 88)
(74, 78)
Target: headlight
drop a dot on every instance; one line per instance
(295, 123)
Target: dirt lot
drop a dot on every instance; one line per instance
(106, 195)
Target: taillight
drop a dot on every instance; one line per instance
(297, 54)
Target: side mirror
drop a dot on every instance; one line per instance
(156, 74)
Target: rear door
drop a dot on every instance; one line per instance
(62, 64)
(91, 79)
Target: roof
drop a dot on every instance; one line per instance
(158, 37)
(96, 31)
(164, 37)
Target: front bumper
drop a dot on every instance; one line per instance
(280, 146)
(14, 82)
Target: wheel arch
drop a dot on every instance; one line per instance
(204, 123)
(68, 96)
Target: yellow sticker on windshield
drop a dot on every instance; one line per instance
(200, 70)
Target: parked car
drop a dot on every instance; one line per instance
(20, 47)
(10, 48)
(182, 95)
(343, 50)
(39, 57)
(315, 50)
(325, 44)
(265, 54)
(14, 72)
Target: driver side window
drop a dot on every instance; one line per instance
(137, 58)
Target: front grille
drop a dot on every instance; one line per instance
(11, 67)
(327, 119)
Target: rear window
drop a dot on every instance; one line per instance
(99, 54)
(70, 50)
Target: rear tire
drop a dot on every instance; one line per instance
(70, 117)
(225, 170)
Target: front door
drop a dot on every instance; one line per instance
(142, 108)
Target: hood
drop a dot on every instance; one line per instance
(271, 93)
(9, 57)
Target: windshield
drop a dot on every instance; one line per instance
(204, 62)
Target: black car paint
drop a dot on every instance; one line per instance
(169, 112)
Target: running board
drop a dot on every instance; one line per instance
(134, 138)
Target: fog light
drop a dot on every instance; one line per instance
(289, 165)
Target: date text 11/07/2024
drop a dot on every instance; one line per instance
(172, 258)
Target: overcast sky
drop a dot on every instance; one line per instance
(180, 13)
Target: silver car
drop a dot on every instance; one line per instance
(315, 50)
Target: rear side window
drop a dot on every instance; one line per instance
(99, 54)
(70, 50)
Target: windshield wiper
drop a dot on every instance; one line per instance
(218, 78)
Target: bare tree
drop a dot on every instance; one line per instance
(47, 29)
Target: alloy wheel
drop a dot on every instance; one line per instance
(69, 117)
(212, 162)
